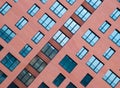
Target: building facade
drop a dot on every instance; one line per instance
(59, 44)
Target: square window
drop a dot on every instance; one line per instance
(43, 1)
(6, 33)
(43, 85)
(71, 85)
(68, 64)
(104, 27)
(58, 9)
(90, 37)
(37, 37)
(71, 2)
(86, 80)
(3, 76)
(109, 52)
(5, 8)
(21, 23)
(33, 10)
(12, 85)
(82, 52)
(25, 50)
(59, 79)
(10, 62)
(46, 21)
(49, 50)
(115, 14)
(1, 47)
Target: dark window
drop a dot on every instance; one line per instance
(10, 62)
(38, 64)
(2, 76)
(26, 77)
(59, 79)
(49, 50)
(86, 80)
(68, 64)
(71, 85)
(6, 34)
(12, 85)
(25, 50)
(1, 47)
(43, 85)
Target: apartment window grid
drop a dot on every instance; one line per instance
(60, 38)
(90, 37)
(58, 9)
(37, 37)
(109, 53)
(21, 23)
(49, 50)
(3, 76)
(71, 2)
(26, 77)
(115, 37)
(82, 52)
(33, 10)
(10, 62)
(5, 8)
(46, 21)
(25, 50)
(82, 13)
(43, 85)
(115, 14)
(86, 80)
(72, 26)
(94, 3)
(44, 1)
(67, 64)
(104, 27)
(95, 64)
(6, 33)
(111, 78)
(59, 79)
(38, 64)
(71, 85)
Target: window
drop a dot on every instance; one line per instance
(26, 50)
(43, 85)
(37, 37)
(58, 9)
(6, 34)
(86, 80)
(47, 22)
(115, 37)
(16, 1)
(5, 8)
(71, 25)
(94, 3)
(59, 79)
(38, 64)
(33, 10)
(49, 51)
(95, 64)
(111, 78)
(104, 27)
(71, 2)
(82, 13)
(3, 76)
(115, 14)
(21, 23)
(10, 62)
(90, 37)
(1, 47)
(108, 54)
(60, 38)
(26, 77)
(12, 85)
(43, 1)
(68, 64)
(82, 52)
(71, 85)
(118, 0)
